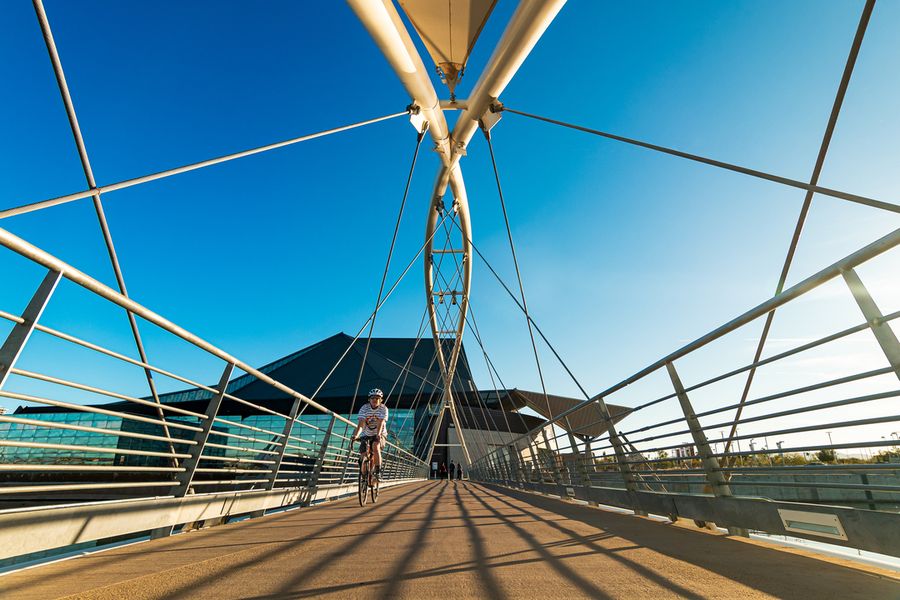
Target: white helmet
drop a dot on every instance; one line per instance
(376, 393)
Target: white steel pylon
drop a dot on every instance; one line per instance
(524, 29)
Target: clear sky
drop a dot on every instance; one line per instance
(626, 254)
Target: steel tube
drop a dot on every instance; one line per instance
(127, 183)
(523, 31)
(92, 409)
(37, 255)
(103, 392)
(69, 426)
(27, 489)
(97, 449)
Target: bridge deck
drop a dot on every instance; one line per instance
(450, 539)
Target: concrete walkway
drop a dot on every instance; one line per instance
(451, 540)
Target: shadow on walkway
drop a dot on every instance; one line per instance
(330, 560)
(586, 586)
(769, 570)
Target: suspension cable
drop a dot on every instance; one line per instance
(465, 358)
(536, 326)
(715, 163)
(512, 249)
(127, 183)
(807, 201)
(387, 265)
(363, 328)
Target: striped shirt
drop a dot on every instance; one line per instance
(372, 419)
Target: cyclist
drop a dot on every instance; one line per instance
(372, 421)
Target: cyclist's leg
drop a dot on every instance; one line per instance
(376, 447)
(363, 454)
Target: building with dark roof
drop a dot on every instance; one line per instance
(333, 374)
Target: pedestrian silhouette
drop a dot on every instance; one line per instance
(452, 470)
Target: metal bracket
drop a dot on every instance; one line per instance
(491, 117)
(417, 119)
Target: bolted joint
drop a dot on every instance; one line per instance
(417, 119)
(490, 118)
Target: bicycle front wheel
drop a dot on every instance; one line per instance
(363, 486)
(373, 486)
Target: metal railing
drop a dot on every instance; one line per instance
(762, 464)
(192, 461)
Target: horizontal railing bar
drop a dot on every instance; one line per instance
(88, 429)
(238, 460)
(862, 255)
(838, 467)
(20, 246)
(111, 394)
(816, 407)
(238, 436)
(292, 446)
(113, 354)
(822, 427)
(109, 468)
(94, 409)
(310, 425)
(239, 448)
(256, 406)
(873, 487)
(199, 482)
(11, 317)
(249, 427)
(26, 489)
(766, 451)
(777, 415)
(765, 361)
(805, 389)
(97, 449)
(778, 396)
(814, 448)
(793, 351)
(227, 470)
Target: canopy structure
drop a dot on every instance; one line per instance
(448, 29)
(585, 422)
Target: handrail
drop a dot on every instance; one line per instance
(27, 250)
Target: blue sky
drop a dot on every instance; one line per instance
(626, 254)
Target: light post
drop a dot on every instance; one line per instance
(780, 451)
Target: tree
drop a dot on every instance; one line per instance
(826, 455)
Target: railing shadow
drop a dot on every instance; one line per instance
(550, 559)
(740, 561)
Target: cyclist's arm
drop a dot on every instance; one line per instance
(383, 429)
(359, 425)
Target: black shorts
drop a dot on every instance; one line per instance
(366, 441)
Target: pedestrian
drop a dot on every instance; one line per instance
(443, 471)
(452, 471)
(459, 470)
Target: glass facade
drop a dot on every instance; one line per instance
(307, 437)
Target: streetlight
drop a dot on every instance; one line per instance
(830, 443)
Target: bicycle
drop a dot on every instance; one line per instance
(368, 479)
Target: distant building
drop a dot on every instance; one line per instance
(413, 398)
